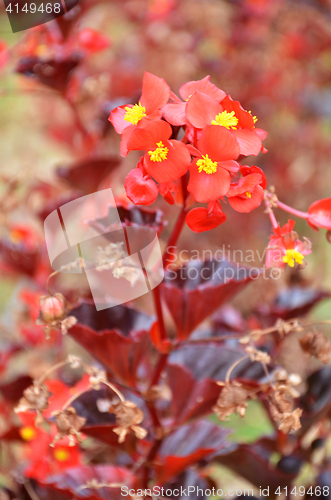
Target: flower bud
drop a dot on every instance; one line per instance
(52, 308)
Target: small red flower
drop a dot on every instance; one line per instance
(165, 160)
(320, 214)
(203, 219)
(128, 118)
(285, 247)
(210, 173)
(168, 191)
(175, 113)
(92, 41)
(140, 188)
(202, 110)
(247, 194)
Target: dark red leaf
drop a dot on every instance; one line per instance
(189, 479)
(193, 292)
(118, 337)
(132, 216)
(253, 463)
(88, 174)
(70, 481)
(191, 399)
(188, 445)
(13, 391)
(18, 257)
(213, 361)
(316, 402)
(290, 303)
(54, 73)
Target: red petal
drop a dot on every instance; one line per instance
(245, 118)
(218, 143)
(92, 40)
(208, 187)
(245, 170)
(249, 142)
(139, 190)
(175, 113)
(117, 119)
(147, 137)
(245, 184)
(204, 86)
(261, 133)
(201, 110)
(175, 166)
(320, 213)
(199, 220)
(155, 93)
(243, 204)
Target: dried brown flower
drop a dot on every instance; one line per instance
(35, 397)
(233, 398)
(279, 405)
(97, 377)
(68, 423)
(256, 355)
(128, 416)
(316, 344)
(291, 421)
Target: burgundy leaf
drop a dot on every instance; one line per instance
(70, 482)
(18, 257)
(188, 445)
(316, 402)
(193, 292)
(191, 399)
(13, 391)
(118, 337)
(189, 481)
(290, 303)
(213, 360)
(88, 174)
(253, 463)
(132, 216)
(54, 73)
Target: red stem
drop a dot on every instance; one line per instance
(274, 223)
(294, 211)
(159, 312)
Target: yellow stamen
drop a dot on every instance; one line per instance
(248, 194)
(254, 117)
(160, 153)
(225, 119)
(206, 164)
(135, 114)
(293, 256)
(28, 433)
(61, 454)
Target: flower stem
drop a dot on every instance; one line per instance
(159, 312)
(230, 370)
(293, 211)
(269, 210)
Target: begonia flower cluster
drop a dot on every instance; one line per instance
(199, 138)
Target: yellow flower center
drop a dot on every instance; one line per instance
(206, 164)
(225, 119)
(28, 433)
(61, 454)
(254, 117)
(160, 153)
(135, 114)
(248, 194)
(293, 256)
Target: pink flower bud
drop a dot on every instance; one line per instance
(52, 308)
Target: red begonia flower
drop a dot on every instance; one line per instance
(175, 113)
(285, 247)
(209, 174)
(320, 214)
(165, 160)
(203, 219)
(92, 41)
(247, 194)
(126, 119)
(203, 110)
(168, 190)
(140, 189)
